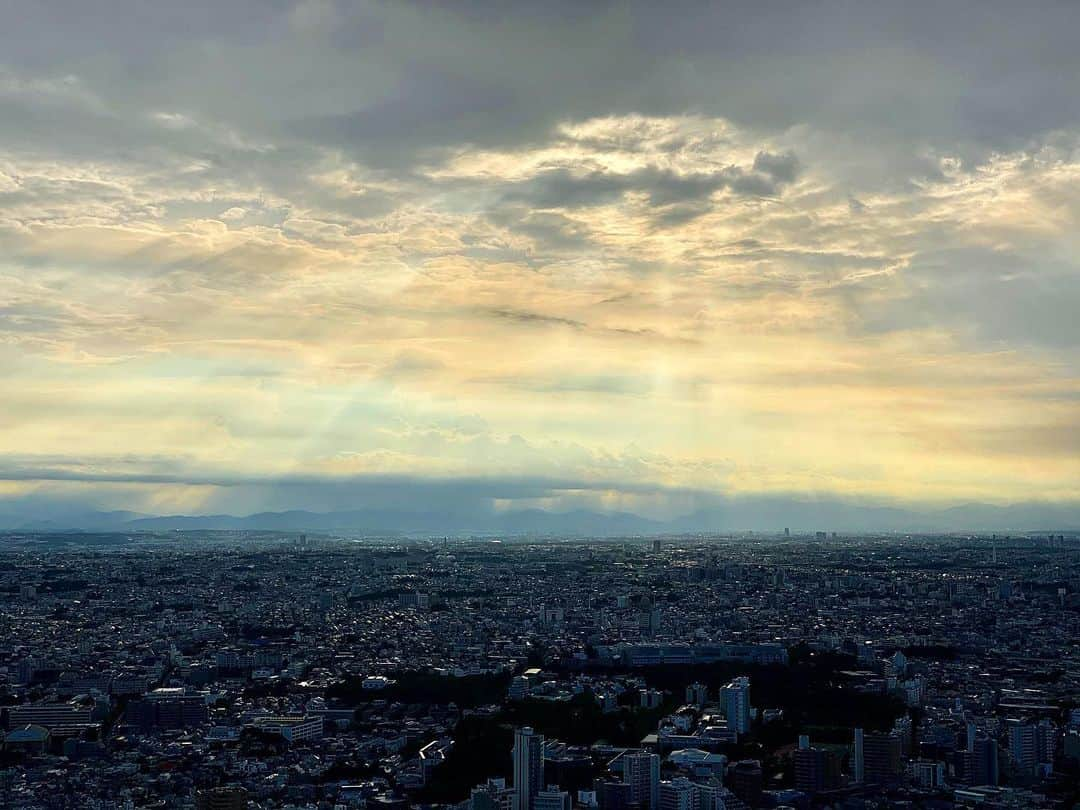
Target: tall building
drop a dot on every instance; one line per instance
(642, 772)
(816, 769)
(1022, 744)
(735, 702)
(528, 767)
(697, 694)
(649, 621)
(1047, 735)
(858, 766)
(980, 760)
(881, 758)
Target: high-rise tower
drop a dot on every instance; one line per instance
(528, 767)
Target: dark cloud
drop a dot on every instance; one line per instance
(392, 81)
(564, 188)
(425, 106)
(783, 168)
(551, 230)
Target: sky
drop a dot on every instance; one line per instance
(273, 255)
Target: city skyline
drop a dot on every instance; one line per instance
(433, 258)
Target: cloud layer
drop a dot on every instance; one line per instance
(636, 253)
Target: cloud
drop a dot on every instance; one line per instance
(1000, 296)
(827, 249)
(563, 188)
(783, 168)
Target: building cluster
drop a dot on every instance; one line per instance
(199, 670)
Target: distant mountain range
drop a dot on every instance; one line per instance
(770, 514)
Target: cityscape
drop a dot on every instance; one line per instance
(246, 669)
(539, 405)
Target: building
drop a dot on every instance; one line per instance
(929, 775)
(979, 763)
(816, 769)
(49, 715)
(649, 621)
(735, 703)
(650, 698)
(33, 739)
(678, 794)
(26, 670)
(642, 772)
(519, 688)
(167, 709)
(292, 729)
(1047, 736)
(493, 795)
(711, 795)
(1023, 746)
(699, 762)
(433, 755)
(746, 780)
(858, 770)
(415, 599)
(613, 795)
(552, 799)
(528, 767)
(552, 616)
(697, 694)
(881, 760)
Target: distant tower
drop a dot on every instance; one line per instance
(642, 772)
(859, 761)
(528, 767)
(735, 701)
